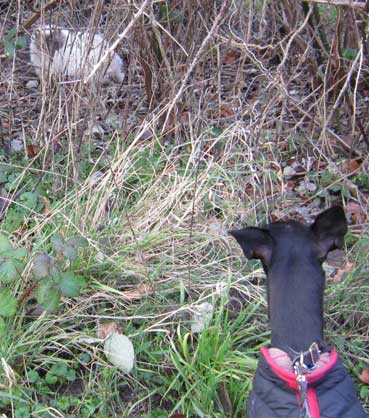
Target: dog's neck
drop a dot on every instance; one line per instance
(295, 303)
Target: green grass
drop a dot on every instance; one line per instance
(154, 203)
(166, 229)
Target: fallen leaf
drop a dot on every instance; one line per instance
(231, 57)
(341, 271)
(119, 351)
(105, 330)
(356, 212)
(364, 376)
(143, 290)
(349, 166)
(226, 111)
(32, 150)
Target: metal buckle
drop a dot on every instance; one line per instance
(314, 353)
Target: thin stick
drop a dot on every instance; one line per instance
(36, 16)
(116, 43)
(354, 4)
(195, 61)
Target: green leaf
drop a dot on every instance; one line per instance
(29, 199)
(33, 376)
(19, 253)
(11, 34)
(4, 243)
(48, 295)
(71, 284)
(3, 177)
(71, 375)
(2, 327)
(349, 53)
(70, 252)
(57, 242)
(9, 48)
(79, 242)
(41, 265)
(364, 392)
(22, 412)
(8, 303)
(21, 42)
(50, 378)
(8, 271)
(59, 369)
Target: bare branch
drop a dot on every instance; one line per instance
(355, 4)
(116, 43)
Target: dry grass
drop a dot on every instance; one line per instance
(218, 99)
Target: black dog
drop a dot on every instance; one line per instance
(299, 376)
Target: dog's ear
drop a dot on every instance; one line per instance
(255, 243)
(329, 229)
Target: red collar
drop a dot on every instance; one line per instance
(290, 377)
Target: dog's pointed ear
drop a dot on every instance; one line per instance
(255, 243)
(329, 229)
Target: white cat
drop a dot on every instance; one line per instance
(72, 55)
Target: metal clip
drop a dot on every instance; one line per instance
(301, 370)
(304, 405)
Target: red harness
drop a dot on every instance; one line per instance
(290, 378)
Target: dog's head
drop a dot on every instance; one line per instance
(292, 253)
(277, 240)
(48, 39)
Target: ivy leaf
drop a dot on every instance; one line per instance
(4, 243)
(8, 303)
(48, 295)
(71, 284)
(41, 265)
(8, 271)
(57, 242)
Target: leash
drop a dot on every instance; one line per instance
(303, 364)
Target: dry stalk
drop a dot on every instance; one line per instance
(361, 5)
(115, 44)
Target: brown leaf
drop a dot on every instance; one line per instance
(143, 290)
(356, 212)
(231, 57)
(105, 330)
(32, 150)
(177, 416)
(47, 205)
(340, 273)
(350, 166)
(364, 376)
(226, 111)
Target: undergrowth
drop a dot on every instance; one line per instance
(130, 225)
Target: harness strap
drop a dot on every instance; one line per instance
(301, 380)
